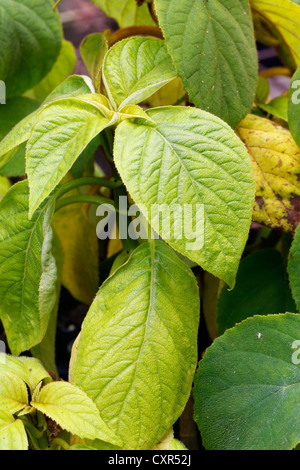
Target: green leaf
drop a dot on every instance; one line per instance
(30, 38)
(190, 158)
(277, 107)
(248, 384)
(293, 267)
(135, 68)
(125, 12)
(73, 410)
(27, 269)
(13, 392)
(16, 109)
(93, 49)
(63, 67)
(29, 369)
(141, 371)
(5, 184)
(261, 288)
(294, 108)
(12, 433)
(20, 126)
(262, 90)
(63, 130)
(45, 351)
(207, 41)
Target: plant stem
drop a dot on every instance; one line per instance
(56, 5)
(111, 183)
(83, 198)
(58, 442)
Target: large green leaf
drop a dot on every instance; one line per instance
(135, 69)
(27, 269)
(125, 12)
(190, 158)
(73, 410)
(140, 365)
(62, 131)
(30, 41)
(261, 288)
(294, 267)
(247, 388)
(213, 47)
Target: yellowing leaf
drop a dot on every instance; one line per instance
(78, 239)
(168, 94)
(29, 369)
(164, 443)
(73, 410)
(282, 16)
(12, 433)
(276, 163)
(13, 393)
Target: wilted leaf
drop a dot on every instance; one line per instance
(276, 164)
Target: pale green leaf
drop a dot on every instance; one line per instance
(63, 130)
(27, 269)
(93, 49)
(247, 388)
(12, 118)
(29, 369)
(13, 392)
(73, 410)
(190, 158)
(12, 433)
(135, 68)
(125, 12)
(277, 107)
(145, 332)
(213, 48)
(30, 41)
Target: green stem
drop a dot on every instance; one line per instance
(128, 243)
(92, 180)
(58, 442)
(87, 198)
(56, 5)
(183, 98)
(106, 147)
